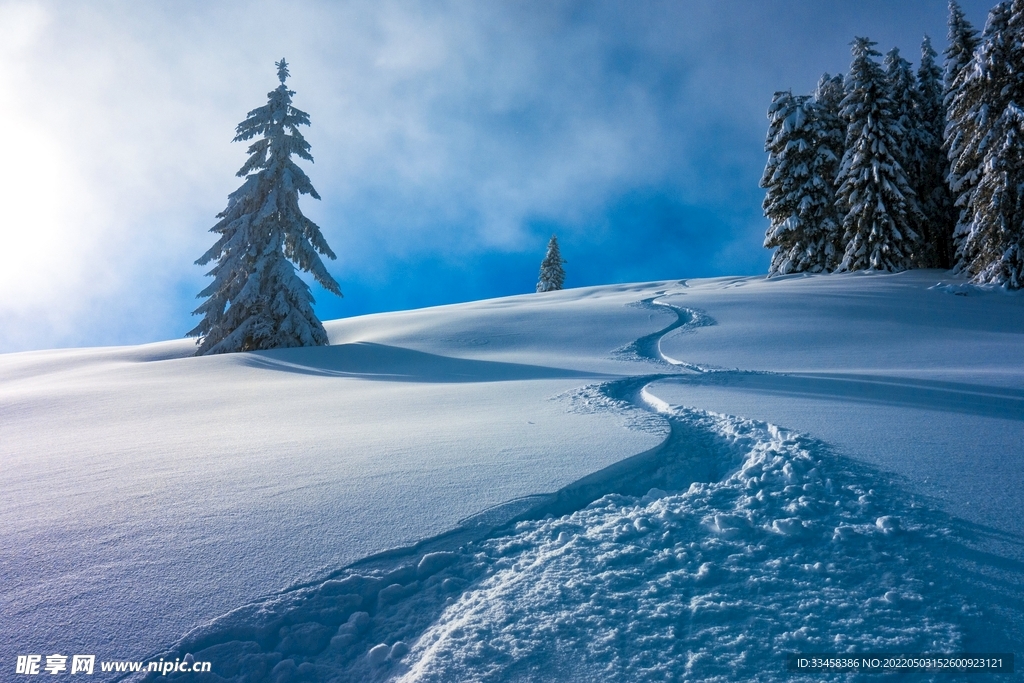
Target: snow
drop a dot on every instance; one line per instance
(940, 375)
(676, 480)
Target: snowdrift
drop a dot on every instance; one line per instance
(674, 480)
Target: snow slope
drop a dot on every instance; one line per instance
(678, 480)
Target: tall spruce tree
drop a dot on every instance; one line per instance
(899, 76)
(828, 99)
(878, 201)
(799, 177)
(989, 110)
(958, 102)
(963, 102)
(928, 165)
(903, 91)
(552, 275)
(257, 301)
(963, 41)
(968, 117)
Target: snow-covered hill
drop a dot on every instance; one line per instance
(673, 480)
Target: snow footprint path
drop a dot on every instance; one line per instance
(765, 544)
(788, 553)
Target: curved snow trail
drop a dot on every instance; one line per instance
(706, 558)
(648, 347)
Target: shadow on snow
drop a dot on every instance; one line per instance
(379, 362)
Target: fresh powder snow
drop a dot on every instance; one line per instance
(681, 480)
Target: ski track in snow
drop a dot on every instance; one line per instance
(706, 558)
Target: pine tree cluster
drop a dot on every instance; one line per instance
(888, 170)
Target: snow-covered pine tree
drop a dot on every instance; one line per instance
(928, 165)
(257, 301)
(960, 102)
(991, 243)
(799, 175)
(552, 275)
(899, 76)
(873, 189)
(902, 91)
(831, 140)
(963, 41)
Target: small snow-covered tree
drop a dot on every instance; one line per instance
(877, 199)
(799, 177)
(257, 300)
(990, 115)
(552, 275)
(928, 165)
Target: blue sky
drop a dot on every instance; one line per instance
(451, 139)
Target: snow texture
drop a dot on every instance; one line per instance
(710, 582)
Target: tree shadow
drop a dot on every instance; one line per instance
(379, 362)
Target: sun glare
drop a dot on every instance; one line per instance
(42, 204)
